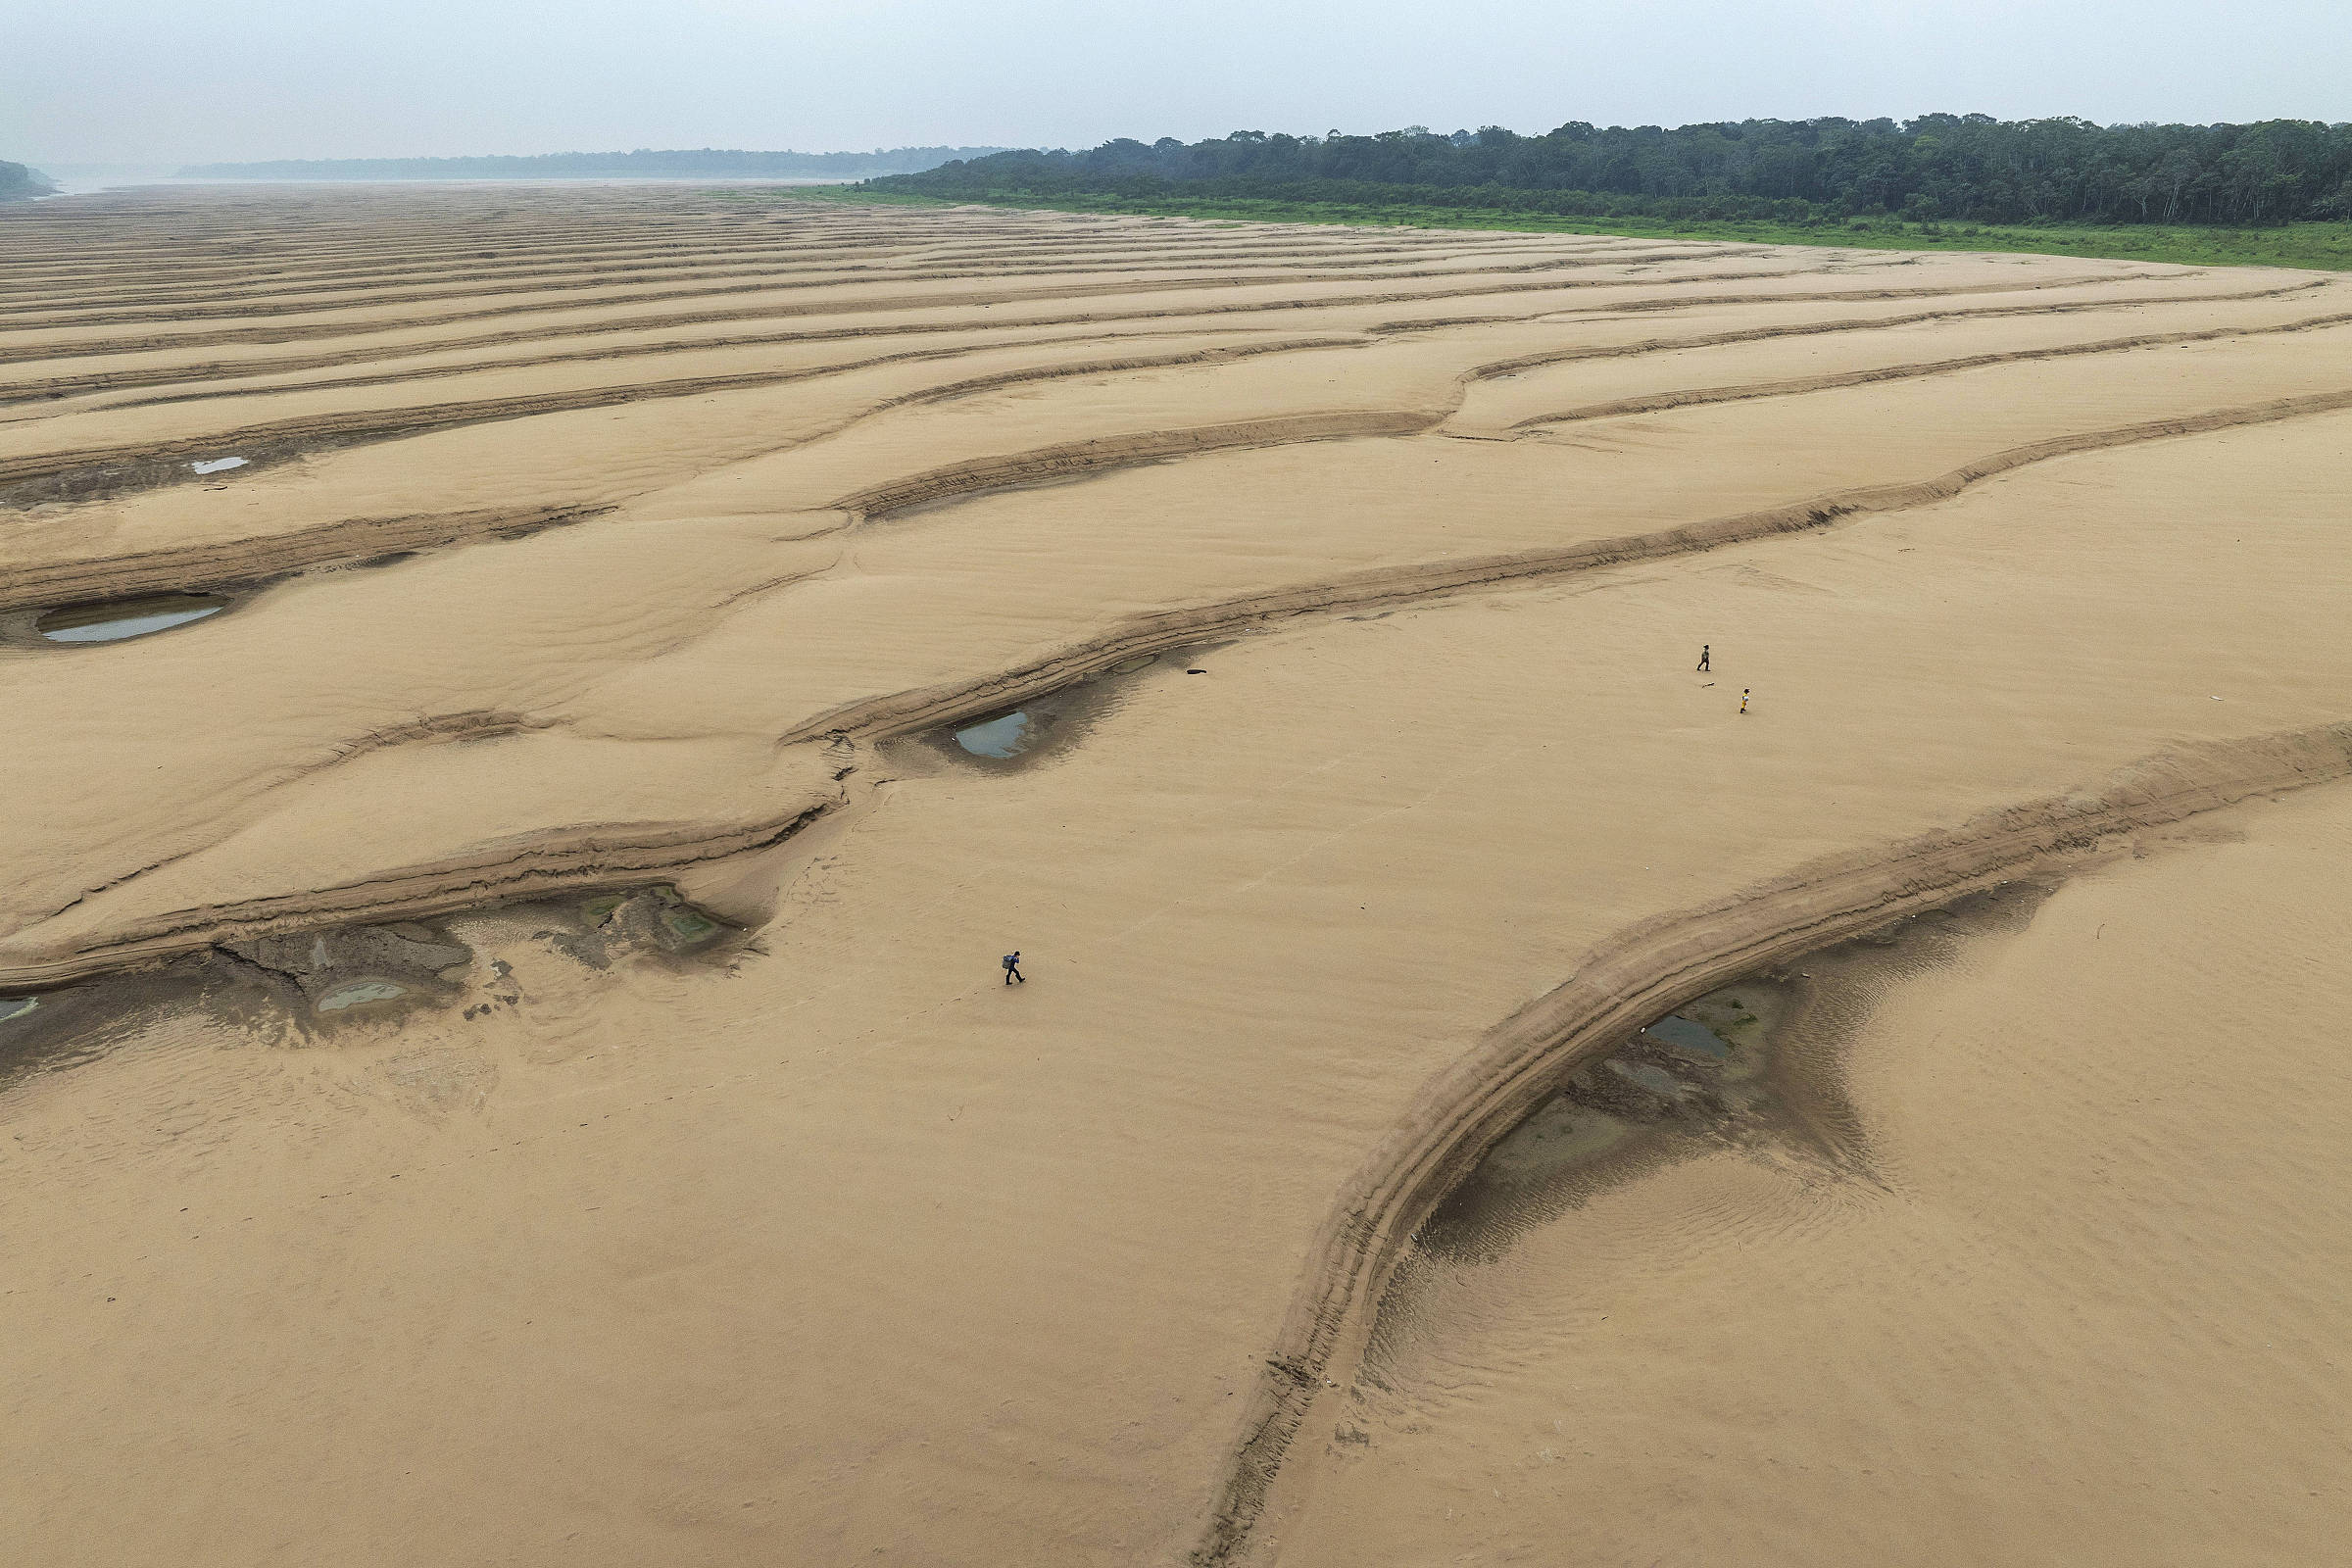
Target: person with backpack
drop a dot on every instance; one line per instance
(1012, 968)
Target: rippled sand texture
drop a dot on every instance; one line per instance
(2081, 1299)
(593, 541)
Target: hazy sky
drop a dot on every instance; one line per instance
(172, 80)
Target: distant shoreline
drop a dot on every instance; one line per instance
(503, 179)
(94, 185)
(678, 164)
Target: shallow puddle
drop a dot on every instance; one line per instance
(217, 465)
(652, 918)
(689, 926)
(1003, 737)
(127, 617)
(1687, 1035)
(1049, 723)
(17, 1006)
(359, 993)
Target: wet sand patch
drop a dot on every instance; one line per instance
(655, 922)
(112, 476)
(57, 1031)
(310, 985)
(1756, 1064)
(337, 970)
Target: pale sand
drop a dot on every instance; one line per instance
(833, 1247)
(2083, 1302)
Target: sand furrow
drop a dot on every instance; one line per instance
(1861, 323)
(609, 262)
(1648, 971)
(251, 561)
(902, 712)
(120, 469)
(987, 343)
(765, 284)
(555, 859)
(81, 383)
(235, 371)
(1086, 460)
(1797, 386)
(245, 563)
(560, 861)
(295, 332)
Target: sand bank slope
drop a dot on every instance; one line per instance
(2068, 1311)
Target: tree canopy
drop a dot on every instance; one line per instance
(20, 183)
(1969, 168)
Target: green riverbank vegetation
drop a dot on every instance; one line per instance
(2278, 193)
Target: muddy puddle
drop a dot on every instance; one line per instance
(120, 619)
(653, 920)
(1041, 726)
(60, 1030)
(1045, 724)
(1755, 1065)
(323, 985)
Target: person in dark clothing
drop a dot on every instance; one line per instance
(1702, 659)
(1012, 970)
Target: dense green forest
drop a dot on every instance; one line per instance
(1937, 168)
(19, 183)
(702, 162)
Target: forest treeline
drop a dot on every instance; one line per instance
(701, 162)
(1962, 168)
(20, 183)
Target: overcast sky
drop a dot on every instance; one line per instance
(185, 80)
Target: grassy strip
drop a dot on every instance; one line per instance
(2324, 246)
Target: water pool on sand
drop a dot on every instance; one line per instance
(1008, 736)
(1689, 1035)
(127, 617)
(360, 991)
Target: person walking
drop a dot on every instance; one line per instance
(1743, 699)
(1702, 659)
(1012, 970)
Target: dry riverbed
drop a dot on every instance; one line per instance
(500, 1045)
